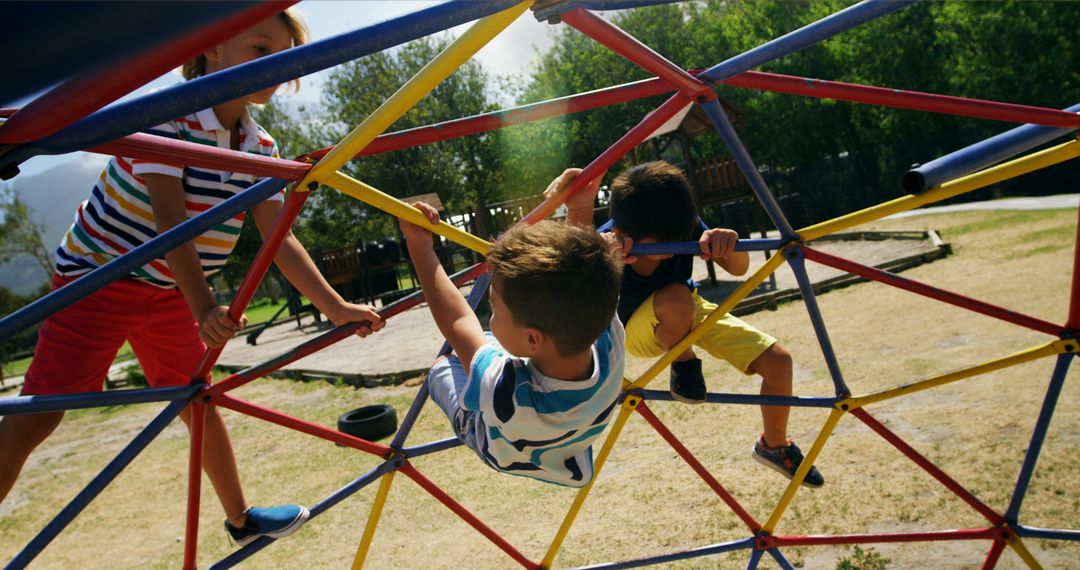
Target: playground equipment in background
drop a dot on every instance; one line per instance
(60, 122)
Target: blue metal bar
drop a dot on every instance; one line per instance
(34, 404)
(122, 119)
(692, 247)
(683, 555)
(1047, 533)
(748, 399)
(755, 559)
(75, 42)
(980, 155)
(316, 510)
(96, 485)
(433, 447)
(547, 12)
(807, 35)
(746, 164)
(1038, 436)
(797, 261)
(779, 558)
(475, 294)
(132, 260)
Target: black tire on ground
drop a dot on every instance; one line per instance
(369, 422)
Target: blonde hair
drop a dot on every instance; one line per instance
(297, 27)
(559, 278)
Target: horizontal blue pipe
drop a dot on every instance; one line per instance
(433, 447)
(1046, 533)
(564, 7)
(56, 40)
(316, 510)
(805, 36)
(98, 484)
(692, 247)
(980, 155)
(749, 399)
(125, 118)
(683, 555)
(125, 264)
(34, 404)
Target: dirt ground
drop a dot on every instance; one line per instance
(646, 501)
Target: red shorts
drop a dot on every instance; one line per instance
(77, 344)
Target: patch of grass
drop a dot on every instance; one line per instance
(863, 560)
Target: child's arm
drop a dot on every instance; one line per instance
(167, 201)
(718, 244)
(300, 270)
(456, 320)
(580, 206)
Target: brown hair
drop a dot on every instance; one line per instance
(297, 29)
(559, 278)
(653, 200)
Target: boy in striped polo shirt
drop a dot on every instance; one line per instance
(165, 309)
(531, 400)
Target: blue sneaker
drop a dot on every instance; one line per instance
(786, 461)
(275, 522)
(687, 384)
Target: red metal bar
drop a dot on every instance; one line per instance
(629, 47)
(82, 95)
(959, 534)
(191, 528)
(991, 515)
(904, 99)
(150, 147)
(934, 293)
(1073, 321)
(303, 426)
(465, 515)
(696, 465)
(294, 201)
(509, 117)
(994, 554)
(613, 154)
(338, 334)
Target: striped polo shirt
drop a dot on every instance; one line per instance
(117, 216)
(537, 426)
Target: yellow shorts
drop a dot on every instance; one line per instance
(729, 338)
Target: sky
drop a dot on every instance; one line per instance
(512, 52)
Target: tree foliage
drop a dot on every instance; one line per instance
(19, 233)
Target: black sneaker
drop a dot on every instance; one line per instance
(687, 383)
(275, 522)
(786, 461)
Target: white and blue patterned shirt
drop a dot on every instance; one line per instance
(537, 426)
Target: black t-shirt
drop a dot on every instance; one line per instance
(635, 288)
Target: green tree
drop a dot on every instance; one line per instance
(19, 233)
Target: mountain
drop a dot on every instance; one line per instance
(51, 196)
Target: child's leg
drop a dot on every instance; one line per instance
(219, 463)
(774, 366)
(674, 308)
(19, 436)
(446, 382)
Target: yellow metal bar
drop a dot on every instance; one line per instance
(373, 519)
(1034, 353)
(804, 468)
(725, 307)
(1024, 554)
(1010, 169)
(414, 90)
(625, 410)
(387, 203)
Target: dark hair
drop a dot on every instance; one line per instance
(559, 278)
(653, 200)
